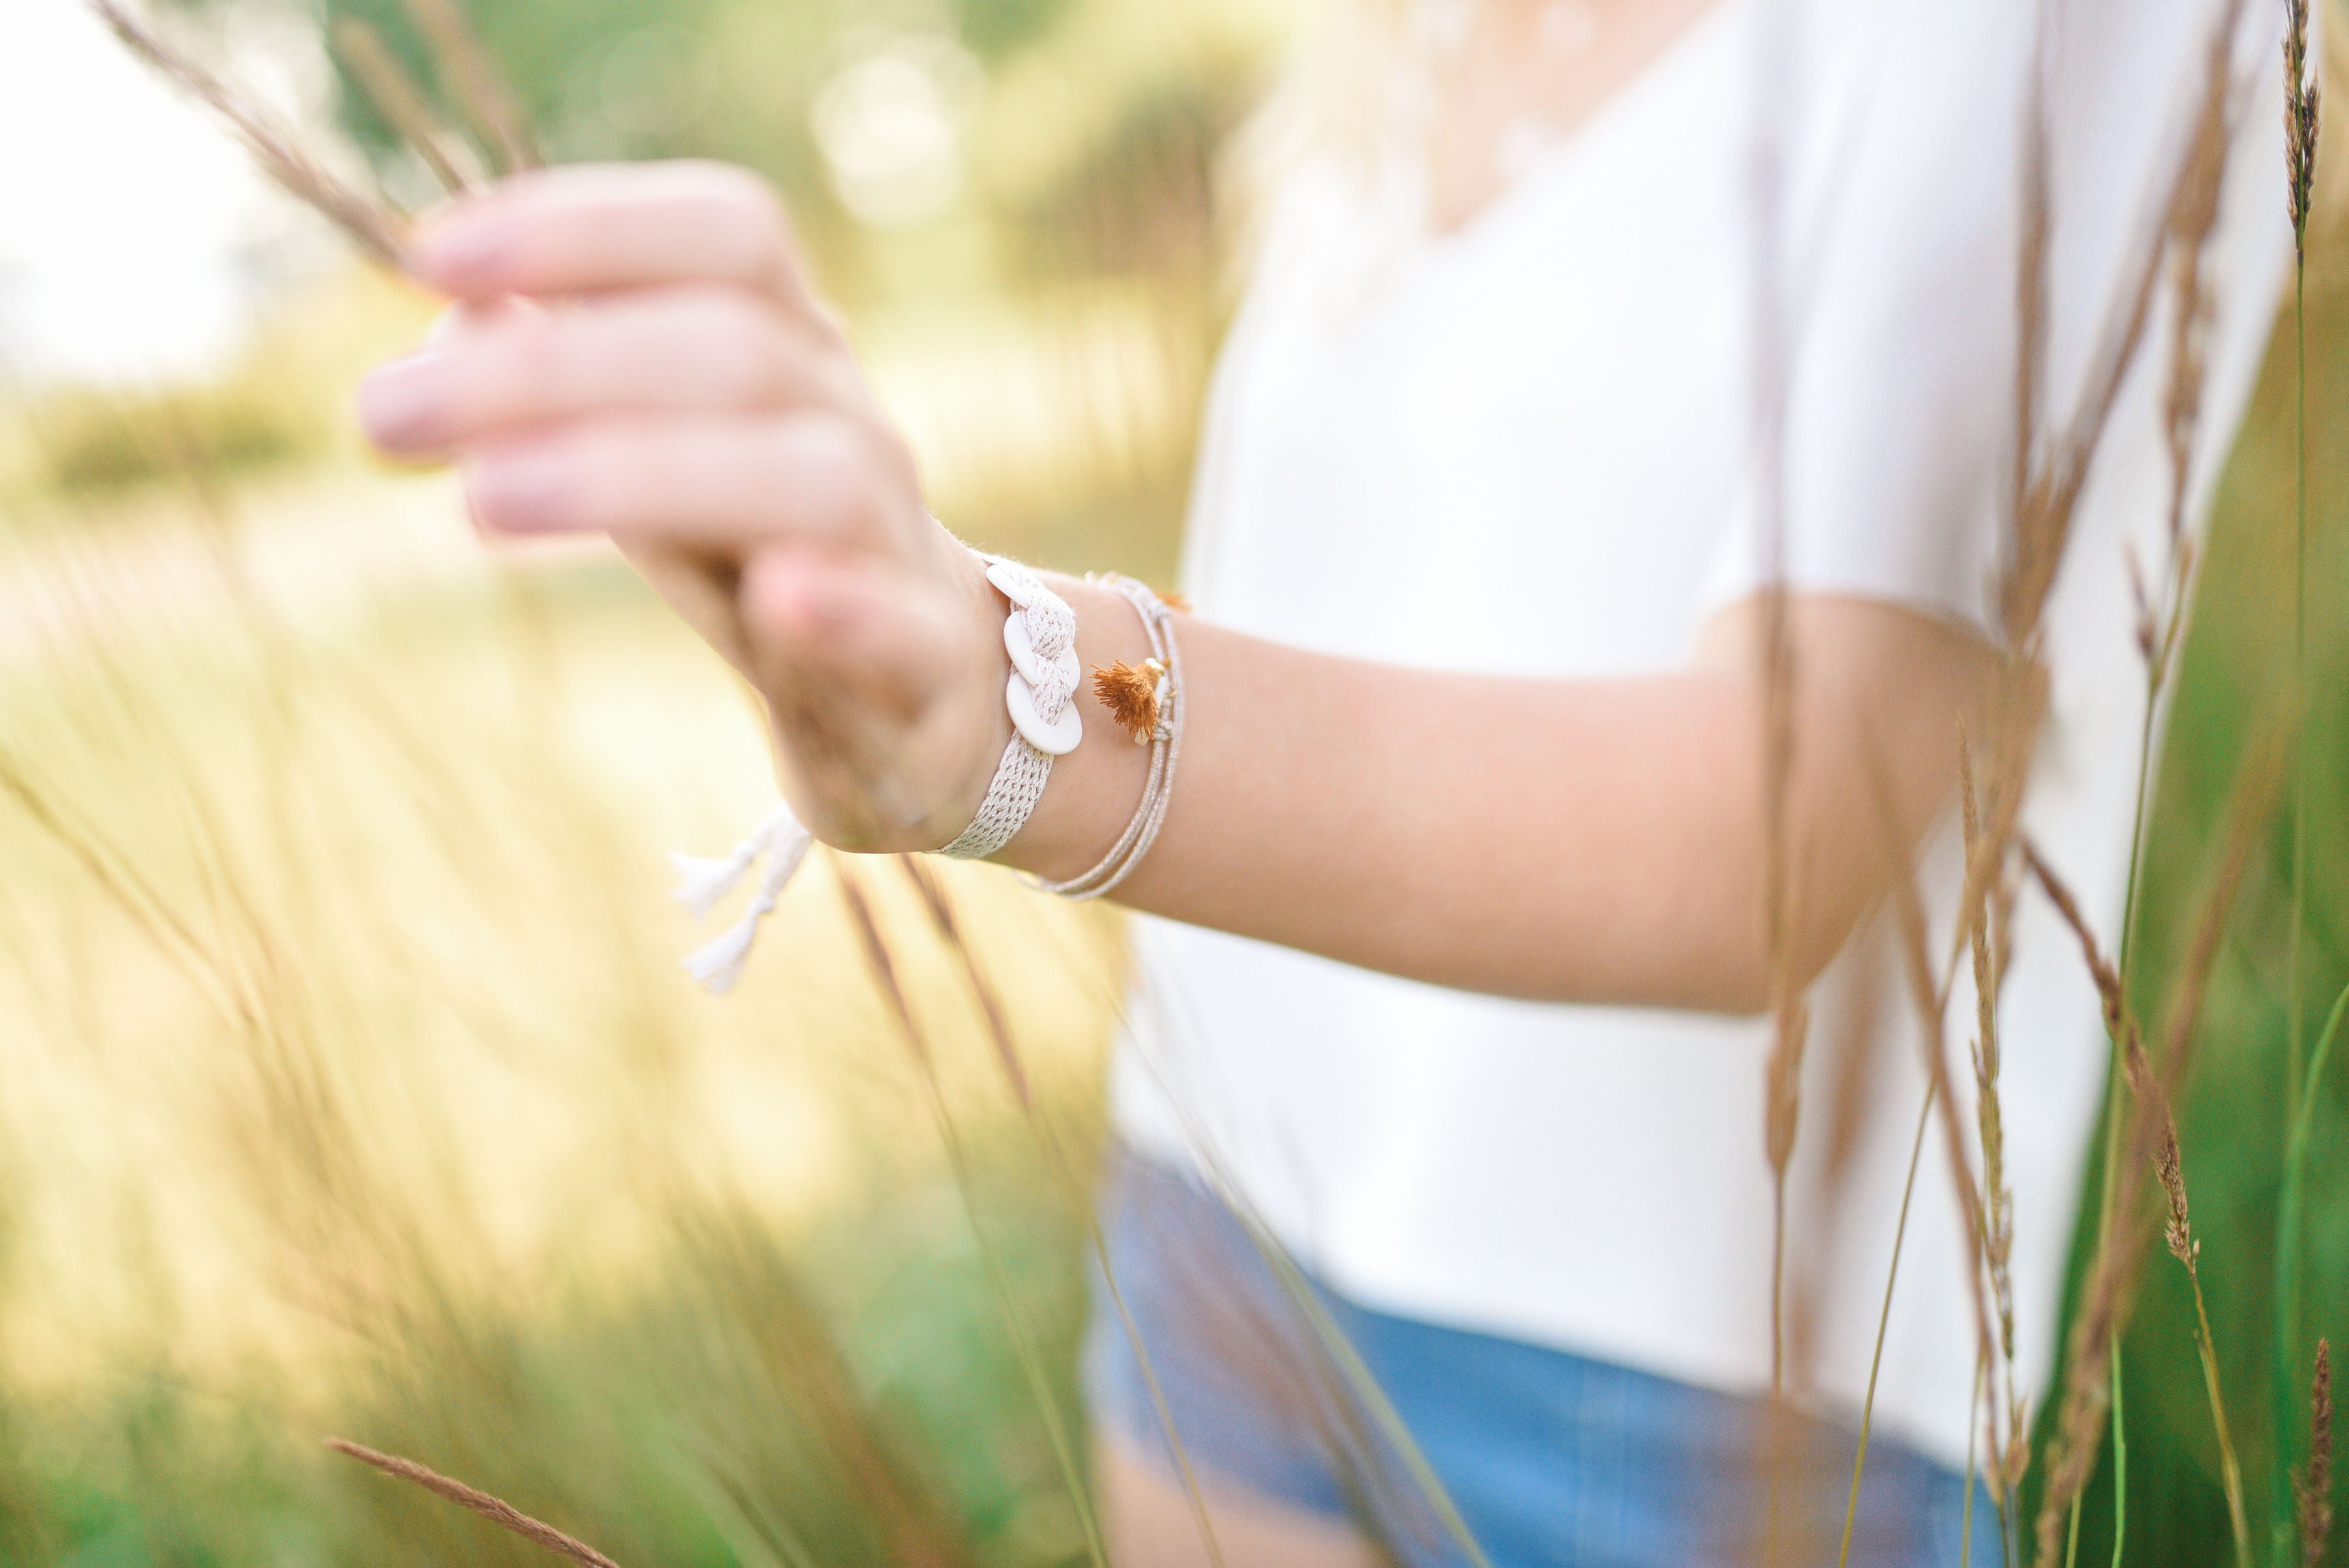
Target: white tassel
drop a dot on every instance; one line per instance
(790, 848)
(704, 881)
(718, 964)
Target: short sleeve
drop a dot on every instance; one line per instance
(1898, 223)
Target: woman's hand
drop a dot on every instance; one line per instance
(635, 350)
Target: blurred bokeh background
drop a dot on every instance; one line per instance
(347, 1081)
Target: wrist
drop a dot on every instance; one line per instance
(992, 727)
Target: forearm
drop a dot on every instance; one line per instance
(1597, 840)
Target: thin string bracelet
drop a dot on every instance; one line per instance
(1149, 702)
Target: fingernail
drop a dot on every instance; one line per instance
(521, 491)
(397, 402)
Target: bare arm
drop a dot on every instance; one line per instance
(1597, 841)
(1589, 840)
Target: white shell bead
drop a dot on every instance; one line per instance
(1057, 738)
(1017, 583)
(1032, 669)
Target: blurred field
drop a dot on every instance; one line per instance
(352, 1085)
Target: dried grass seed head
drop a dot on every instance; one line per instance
(2311, 1485)
(363, 219)
(2300, 121)
(497, 1510)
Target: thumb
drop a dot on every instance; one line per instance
(851, 633)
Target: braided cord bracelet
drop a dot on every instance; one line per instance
(1041, 636)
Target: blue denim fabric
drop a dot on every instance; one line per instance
(1551, 1459)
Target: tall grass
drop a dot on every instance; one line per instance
(2223, 681)
(366, 965)
(361, 872)
(342, 998)
(2300, 122)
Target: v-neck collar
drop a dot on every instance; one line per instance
(1604, 123)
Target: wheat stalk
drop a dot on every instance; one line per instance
(991, 1006)
(950, 929)
(2112, 1279)
(398, 98)
(468, 74)
(2312, 1486)
(884, 965)
(1775, 652)
(361, 218)
(497, 1510)
(2050, 472)
(1931, 1008)
(2300, 126)
(1989, 938)
(2192, 216)
(1883, 1324)
(2158, 1111)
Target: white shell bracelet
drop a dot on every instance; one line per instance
(1040, 635)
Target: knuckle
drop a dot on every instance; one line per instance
(604, 475)
(526, 486)
(735, 347)
(527, 370)
(831, 470)
(825, 450)
(748, 212)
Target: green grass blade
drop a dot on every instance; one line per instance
(1883, 1322)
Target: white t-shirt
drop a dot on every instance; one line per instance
(1527, 447)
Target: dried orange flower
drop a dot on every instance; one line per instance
(1130, 693)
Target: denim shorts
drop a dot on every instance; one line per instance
(1278, 1386)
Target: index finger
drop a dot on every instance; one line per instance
(586, 228)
